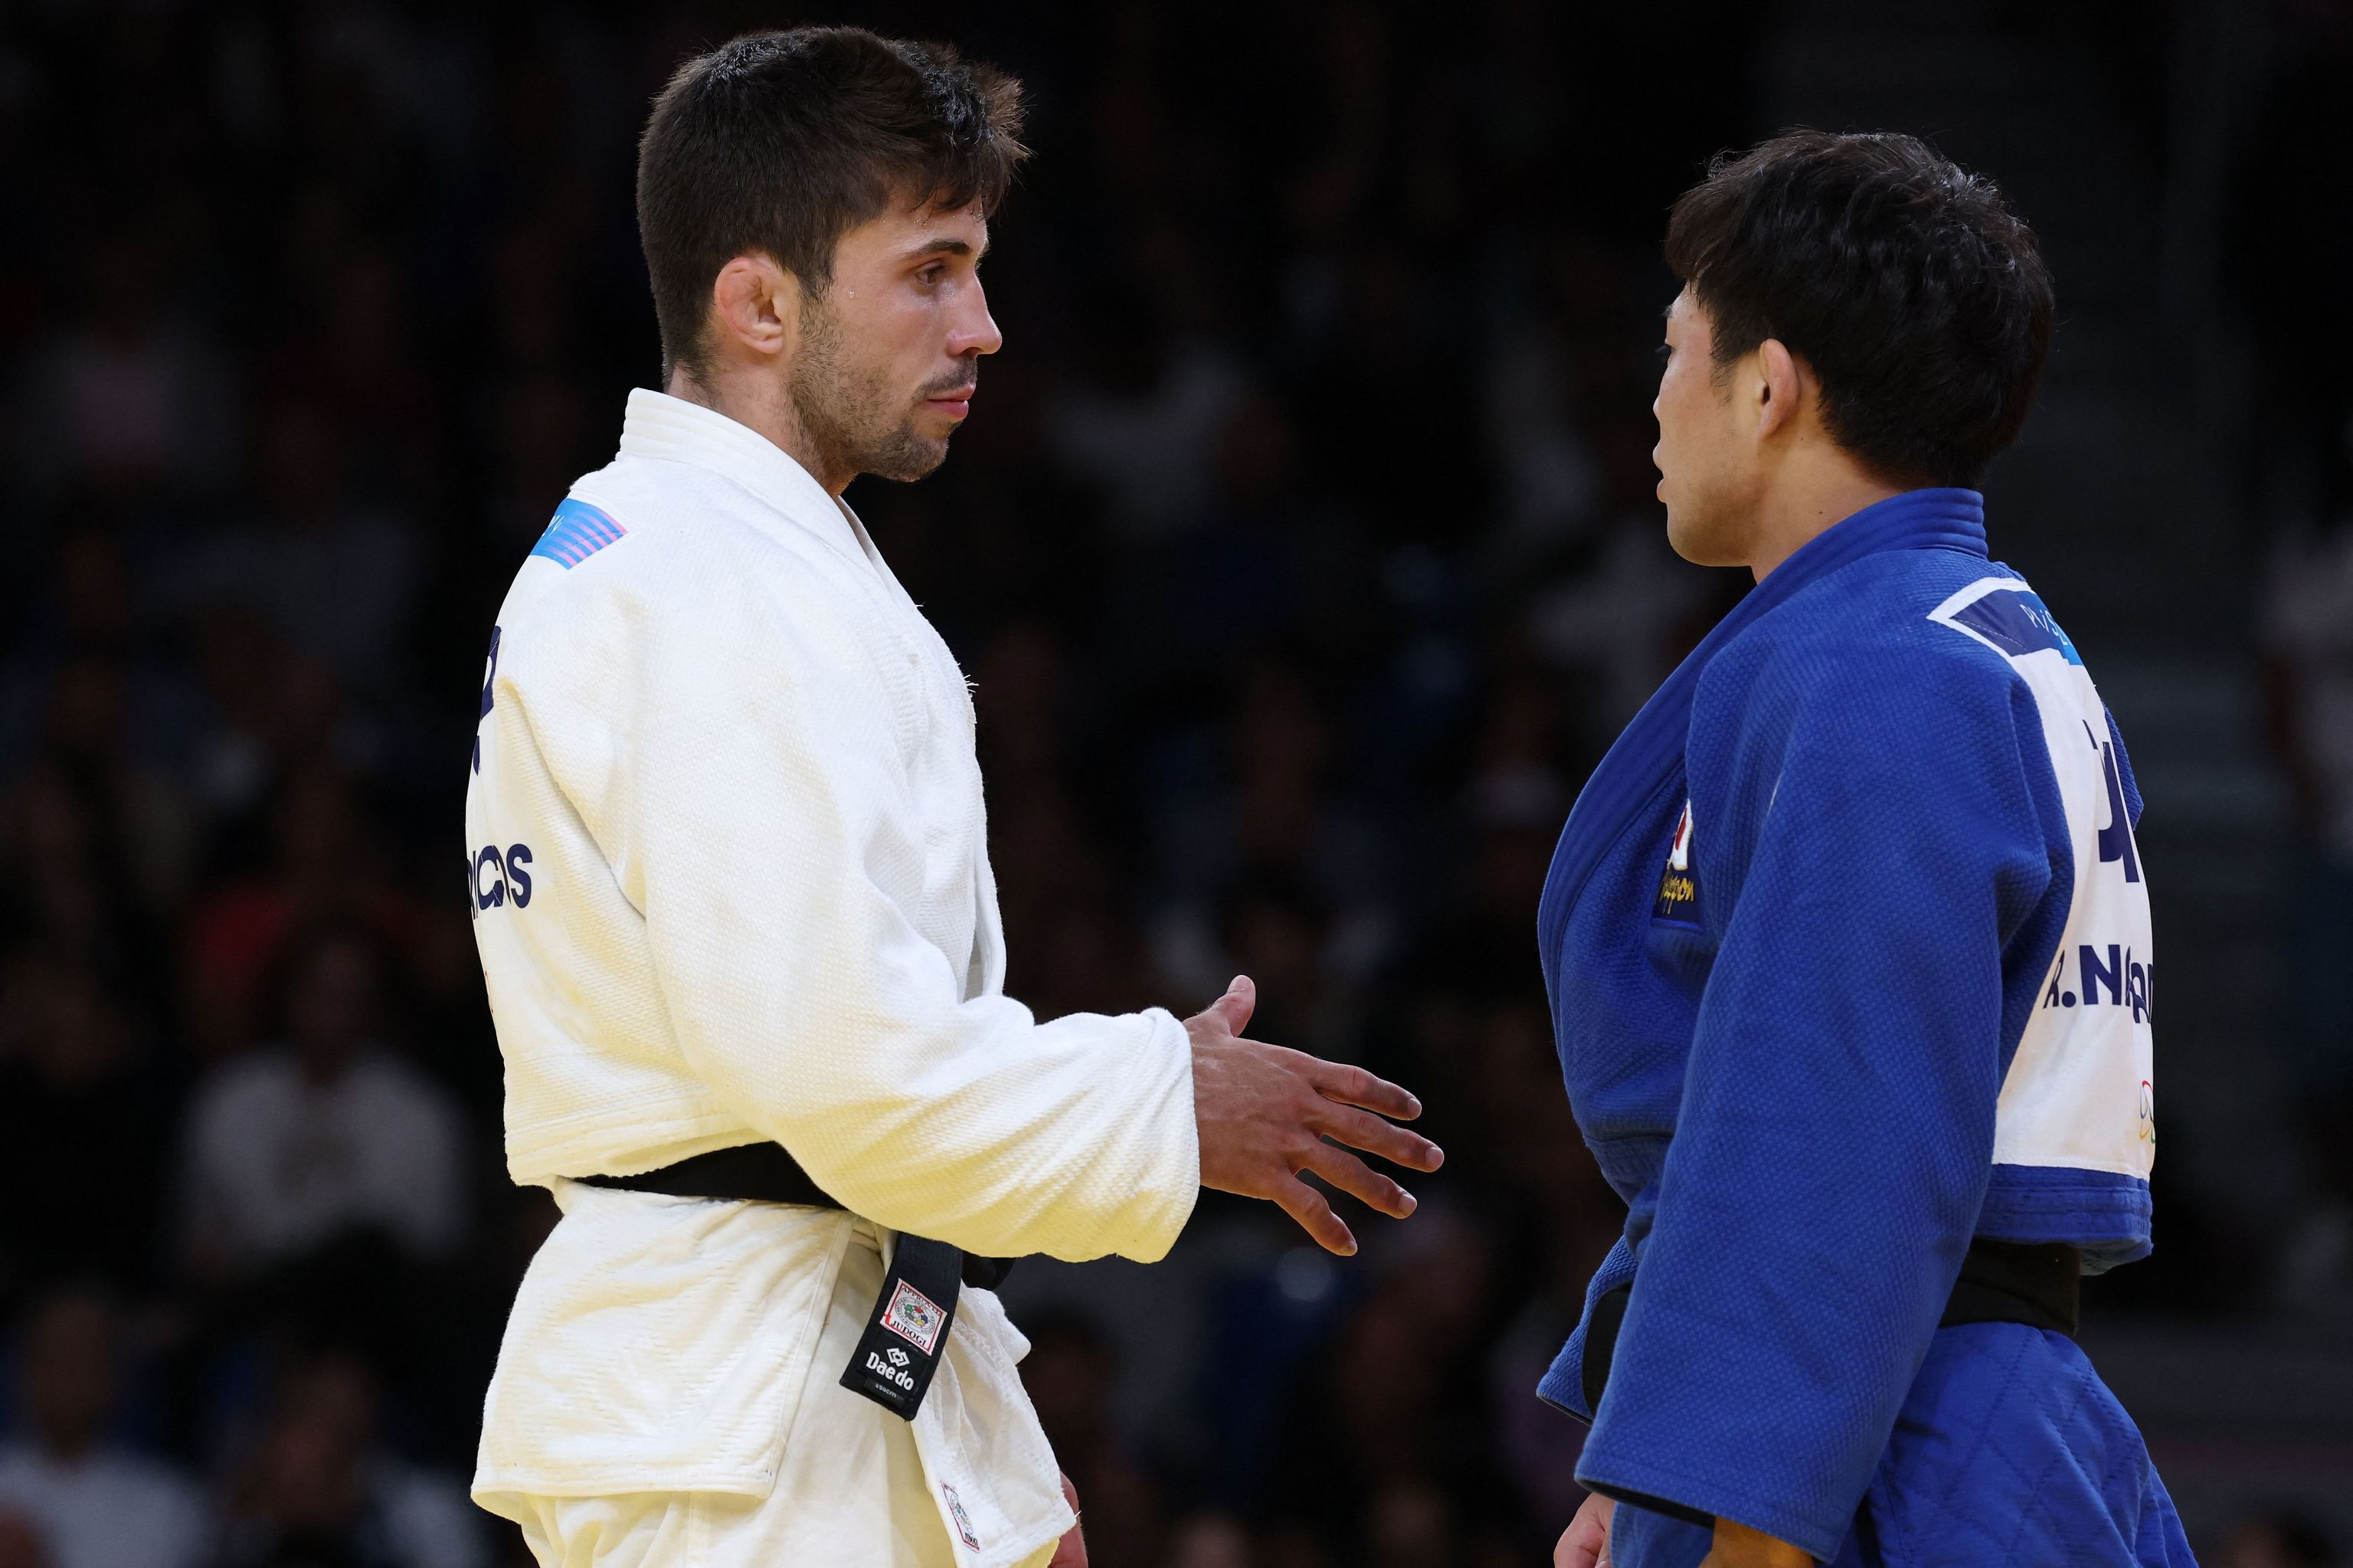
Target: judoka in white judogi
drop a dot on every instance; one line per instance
(729, 868)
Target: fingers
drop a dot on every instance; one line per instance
(1233, 1010)
(1603, 1512)
(1353, 1176)
(1070, 1552)
(1578, 1553)
(1355, 1087)
(1391, 1143)
(1586, 1542)
(1308, 1206)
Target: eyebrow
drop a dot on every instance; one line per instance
(946, 245)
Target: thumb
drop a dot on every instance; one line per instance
(1233, 1010)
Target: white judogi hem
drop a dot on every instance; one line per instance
(857, 1489)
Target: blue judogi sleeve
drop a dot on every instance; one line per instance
(1873, 836)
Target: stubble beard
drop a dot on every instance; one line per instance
(850, 419)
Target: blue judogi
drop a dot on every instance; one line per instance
(1848, 948)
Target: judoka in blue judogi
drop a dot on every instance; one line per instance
(1849, 952)
(1848, 937)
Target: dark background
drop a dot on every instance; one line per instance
(1303, 551)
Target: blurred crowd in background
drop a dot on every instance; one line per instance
(1301, 548)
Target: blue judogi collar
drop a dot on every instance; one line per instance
(1648, 759)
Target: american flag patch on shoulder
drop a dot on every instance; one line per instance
(578, 532)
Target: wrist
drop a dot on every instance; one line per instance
(1737, 1546)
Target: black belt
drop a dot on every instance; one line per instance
(2039, 1284)
(904, 1334)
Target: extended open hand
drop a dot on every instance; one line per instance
(1264, 1114)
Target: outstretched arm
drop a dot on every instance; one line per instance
(763, 820)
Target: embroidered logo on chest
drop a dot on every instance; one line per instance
(1678, 900)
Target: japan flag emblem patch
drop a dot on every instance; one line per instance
(915, 1318)
(1678, 900)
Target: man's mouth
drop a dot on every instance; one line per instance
(955, 402)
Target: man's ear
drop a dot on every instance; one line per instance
(1778, 368)
(755, 309)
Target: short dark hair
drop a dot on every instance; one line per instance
(779, 144)
(1917, 296)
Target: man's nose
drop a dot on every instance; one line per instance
(976, 330)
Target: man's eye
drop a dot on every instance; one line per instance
(1666, 352)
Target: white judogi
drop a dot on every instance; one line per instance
(729, 873)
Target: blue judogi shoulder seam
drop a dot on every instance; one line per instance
(1812, 627)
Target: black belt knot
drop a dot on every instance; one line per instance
(908, 1330)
